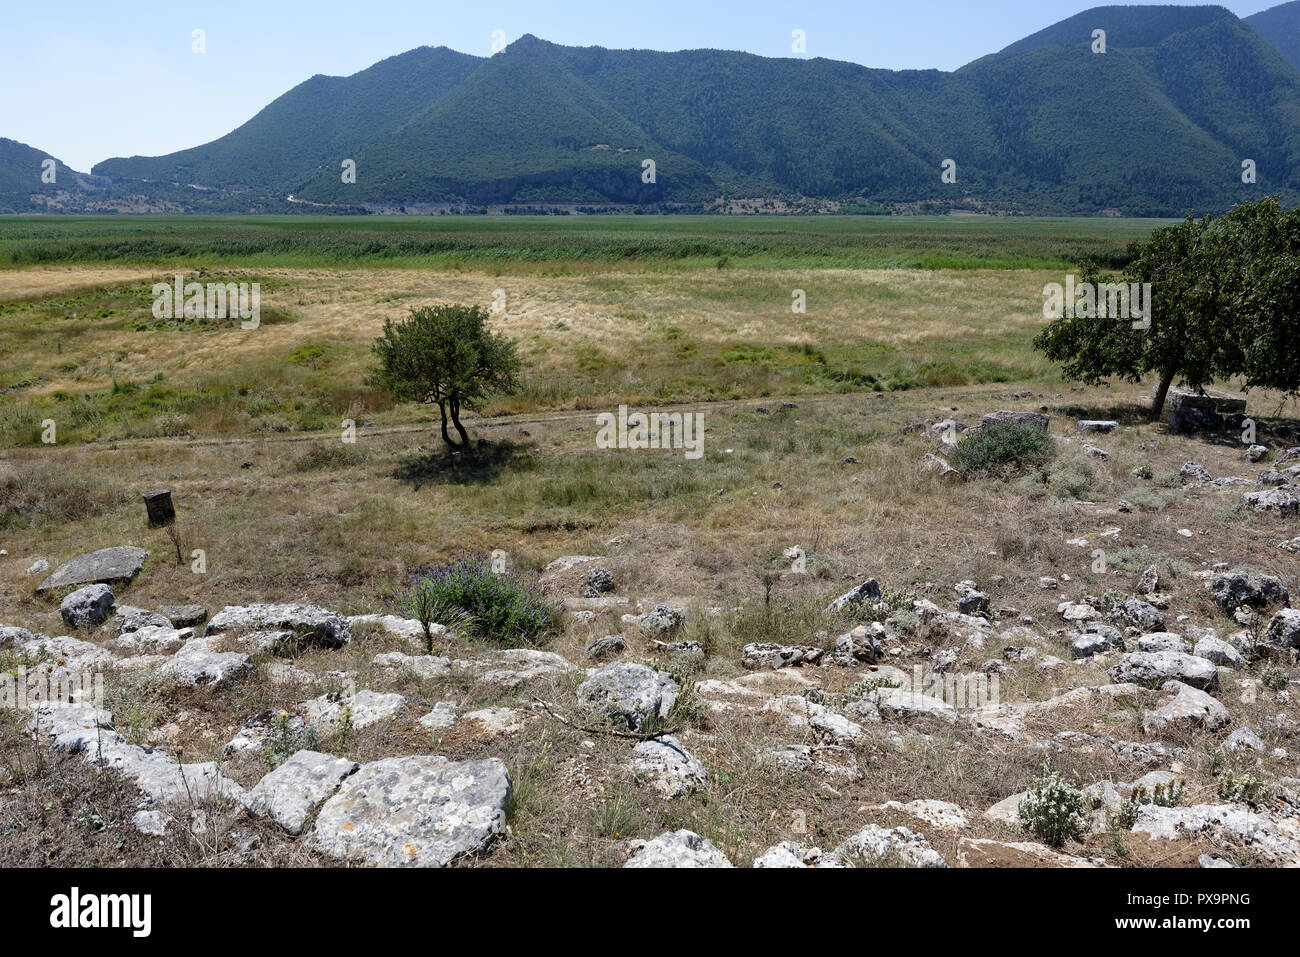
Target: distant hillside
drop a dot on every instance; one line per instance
(1280, 26)
(319, 122)
(1158, 125)
(21, 186)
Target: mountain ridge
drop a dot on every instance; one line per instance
(1158, 125)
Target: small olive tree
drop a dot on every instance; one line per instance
(445, 355)
(1223, 293)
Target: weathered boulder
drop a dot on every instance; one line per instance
(1164, 641)
(876, 846)
(1231, 590)
(599, 581)
(832, 760)
(422, 666)
(197, 665)
(1153, 668)
(107, 566)
(662, 621)
(313, 625)
(1232, 823)
(1276, 500)
(1096, 638)
(442, 716)
(676, 849)
(420, 811)
(183, 616)
(1149, 583)
(360, 710)
(1194, 472)
(970, 600)
(85, 730)
(901, 703)
(128, 618)
(1284, 628)
(1095, 453)
(1096, 425)
(1218, 651)
(493, 722)
(87, 607)
(630, 692)
(938, 465)
(1189, 709)
(1244, 738)
(768, 654)
(668, 767)
(153, 640)
(1037, 421)
(1143, 614)
(862, 644)
(609, 646)
(293, 790)
(512, 667)
(869, 590)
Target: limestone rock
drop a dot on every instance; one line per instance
(631, 692)
(1189, 709)
(676, 849)
(422, 666)
(669, 768)
(197, 665)
(107, 566)
(609, 646)
(293, 790)
(87, 607)
(361, 709)
(1284, 628)
(313, 625)
(869, 590)
(420, 811)
(1153, 668)
(768, 654)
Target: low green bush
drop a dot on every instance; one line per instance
(1001, 450)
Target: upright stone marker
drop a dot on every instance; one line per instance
(161, 510)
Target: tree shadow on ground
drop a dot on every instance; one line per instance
(477, 464)
(1267, 428)
(1129, 413)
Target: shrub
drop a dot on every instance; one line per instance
(1168, 794)
(1002, 449)
(288, 737)
(1240, 788)
(493, 606)
(1274, 678)
(329, 455)
(50, 496)
(1052, 809)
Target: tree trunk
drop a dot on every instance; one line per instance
(446, 436)
(1158, 405)
(455, 420)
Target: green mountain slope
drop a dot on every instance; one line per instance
(520, 121)
(21, 188)
(1280, 26)
(318, 123)
(1158, 125)
(1127, 27)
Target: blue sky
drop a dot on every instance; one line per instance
(89, 80)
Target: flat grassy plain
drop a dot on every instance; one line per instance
(605, 309)
(810, 439)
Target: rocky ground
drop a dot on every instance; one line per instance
(900, 723)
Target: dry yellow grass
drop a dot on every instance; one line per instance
(344, 535)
